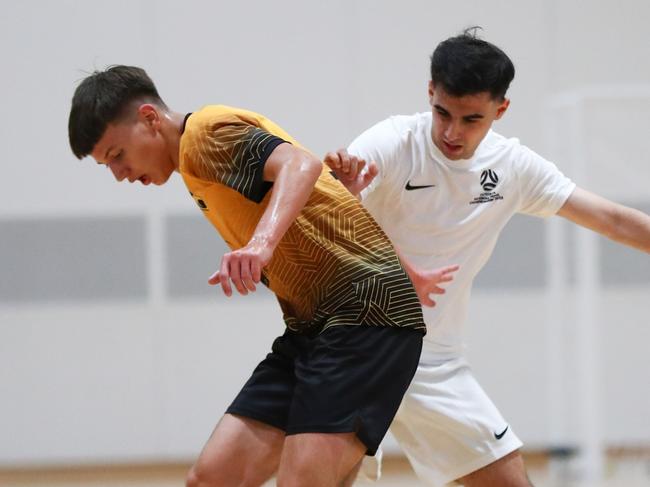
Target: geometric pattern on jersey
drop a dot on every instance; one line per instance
(334, 265)
(236, 158)
(326, 264)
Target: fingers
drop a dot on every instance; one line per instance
(333, 160)
(431, 280)
(247, 276)
(425, 300)
(240, 269)
(356, 165)
(345, 165)
(449, 269)
(365, 178)
(338, 160)
(444, 274)
(236, 265)
(346, 162)
(437, 290)
(373, 169)
(256, 271)
(361, 163)
(224, 274)
(213, 279)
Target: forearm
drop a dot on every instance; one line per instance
(631, 227)
(618, 222)
(292, 187)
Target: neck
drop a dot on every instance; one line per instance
(172, 124)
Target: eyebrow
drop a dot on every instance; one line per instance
(438, 107)
(466, 117)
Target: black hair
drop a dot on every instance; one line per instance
(466, 65)
(102, 98)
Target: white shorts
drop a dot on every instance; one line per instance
(447, 425)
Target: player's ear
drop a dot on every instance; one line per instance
(148, 114)
(501, 109)
(431, 90)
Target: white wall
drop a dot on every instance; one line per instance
(146, 379)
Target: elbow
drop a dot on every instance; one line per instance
(311, 167)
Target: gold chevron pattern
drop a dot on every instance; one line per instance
(334, 266)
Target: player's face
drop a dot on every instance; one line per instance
(135, 149)
(461, 123)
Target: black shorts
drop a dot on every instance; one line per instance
(346, 379)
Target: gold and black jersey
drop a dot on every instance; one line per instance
(334, 266)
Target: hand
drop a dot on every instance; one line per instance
(349, 170)
(243, 267)
(426, 282)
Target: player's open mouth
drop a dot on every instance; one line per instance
(452, 147)
(144, 180)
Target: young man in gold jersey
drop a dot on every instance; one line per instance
(332, 383)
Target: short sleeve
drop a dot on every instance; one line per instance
(234, 154)
(544, 188)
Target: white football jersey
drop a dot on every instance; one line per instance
(440, 212)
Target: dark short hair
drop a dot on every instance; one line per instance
(466, 65)
(102, 98)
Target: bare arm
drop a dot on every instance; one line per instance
(294, 173)
(615, 221)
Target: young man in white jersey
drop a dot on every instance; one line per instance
(442, 185)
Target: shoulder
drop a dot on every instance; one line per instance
(212, 117)
(218, 126)
(496, 145)
(211, 134)
(507, 150)
(389, 137)
(404, 126)
(529, 168)
(205, 127)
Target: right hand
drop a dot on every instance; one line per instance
(349, 170)
(426, 282)
(243, 267)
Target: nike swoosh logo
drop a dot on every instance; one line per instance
(498, 436)
(411, 188)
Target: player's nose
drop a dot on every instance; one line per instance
(452, 132)
(119, 173)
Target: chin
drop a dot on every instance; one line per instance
(162, 180)
(460, 157)
(454, 157)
